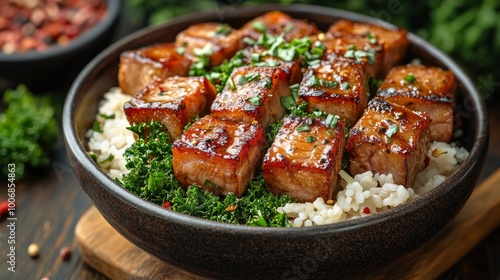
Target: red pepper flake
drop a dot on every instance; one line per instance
(65, 253)
(167, 205)
(231, 208)
(366, 210)
(4, 208)
(427, 161)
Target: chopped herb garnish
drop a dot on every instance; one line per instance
(93, 156)
(332, 120)
(231, 84)
(345, 86)
(252, 76)
(97, 127)
(255, 57)
(359, 55)
(180, 50)
(268, 83)
(205, 51)
(410, 78)
(259, 26)
(256, 100)
(107, 117)
(393, 128)
(303, 127)
(161, 93)
(241, 80)
(288, 28)
(286, 54)
(310, 139)
(437, 152)
(346, 177)
(223, 30)
(329, 84)
(313, 81)
(372, 38)
(249, 41)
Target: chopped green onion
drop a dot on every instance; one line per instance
(329, 84)
(332, 120)
(410, 78)
(205, 51)
(252, 76)
(180, 50)
(259, 26)
(241, 80)
(303, 127)
(223, 30)
(107, 117)
(313, 81)
(346, 177)
(268, 83)
(345, 86)
(231, 84)
(310, 139)
(255, 57)
(256, 100)
(97, 127)
(249, 41)
(372, 39)
(393, 128)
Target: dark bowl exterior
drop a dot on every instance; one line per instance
(342, 251)
(50, 68)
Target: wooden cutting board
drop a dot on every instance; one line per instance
(109, 253)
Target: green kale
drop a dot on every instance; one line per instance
(152, 178)
(28, 130)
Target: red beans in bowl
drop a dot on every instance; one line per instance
(35, 25)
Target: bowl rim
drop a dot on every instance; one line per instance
(74, 145)
(113, 8)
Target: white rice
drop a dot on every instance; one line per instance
(114, 139)
(369, 193)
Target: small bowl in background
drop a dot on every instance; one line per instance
(59, 65)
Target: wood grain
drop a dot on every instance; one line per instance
(111, 254)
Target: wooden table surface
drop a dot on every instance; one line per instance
(50, 202)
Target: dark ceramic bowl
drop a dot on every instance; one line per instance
(51, 68)
(343, 250)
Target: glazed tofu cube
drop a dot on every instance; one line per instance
(338, 87)
(217, 41)
(394, 41)
(305, 158)
(257, 56)
(219, 156)
(426, 89)
(139, 67)
(275, 23)
(389, 139)
(252, 95)
(356, 47)
(174, 101)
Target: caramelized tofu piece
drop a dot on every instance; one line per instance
(394, 41)
(426, 89)
(258, 56)
(139, 67)
(220, 156)
(357, 47)
(338, 87)
(275, 23)
(252, 95)
(175, 102)
(217, 41)
(389, 138)
(305, 158)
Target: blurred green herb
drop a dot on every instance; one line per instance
(28, 130)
